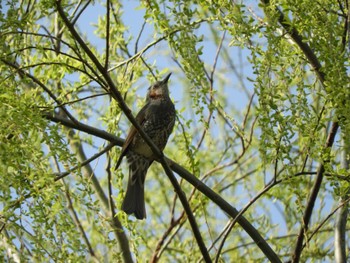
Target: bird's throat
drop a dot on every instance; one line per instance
(156, 95)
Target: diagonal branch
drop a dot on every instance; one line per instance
(158, 154)
(298, 39)
(61, 175)
(202, 187)
(22, 72)
(343, 204)
(188, 211)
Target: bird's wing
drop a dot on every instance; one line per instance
(140, 118)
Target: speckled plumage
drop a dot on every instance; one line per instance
(157, 119)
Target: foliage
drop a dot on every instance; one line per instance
(260, 91)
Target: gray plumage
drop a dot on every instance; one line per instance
(157, 119)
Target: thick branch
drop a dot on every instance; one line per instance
(188, 211)
(207, 191)
(233, 212)
(157, 153)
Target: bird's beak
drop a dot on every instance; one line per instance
(165, 80)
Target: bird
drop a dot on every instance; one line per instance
(157, 120)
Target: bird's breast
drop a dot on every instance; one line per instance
(158, 125)
(141, 147)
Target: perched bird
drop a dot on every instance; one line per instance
(157, 119)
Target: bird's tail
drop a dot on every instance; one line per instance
(134, 200)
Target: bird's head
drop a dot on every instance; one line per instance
(159, 89)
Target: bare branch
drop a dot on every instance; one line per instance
(324, 221)
(107, 33)
(87, 161)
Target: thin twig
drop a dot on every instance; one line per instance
(139, 36)
(82, 99)
(211, 80)
(38, 82)
(107, 33)
(75, 19)
(78, 224)
(324, 221)
(174, 223)
(110, 191)
(87, 161)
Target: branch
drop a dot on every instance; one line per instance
(342, 214)
(340, 234)
(110, 197)
(233, 212)
(203, 188)
(188, 211)
(313, 196)
(156, 254)
(114, 221)
(211, 80)
(107, 34)
(38, 82)
(78, 223)
(84, 128)
(343, 204)
(298, 39)
(87, 161)
(158, 154)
